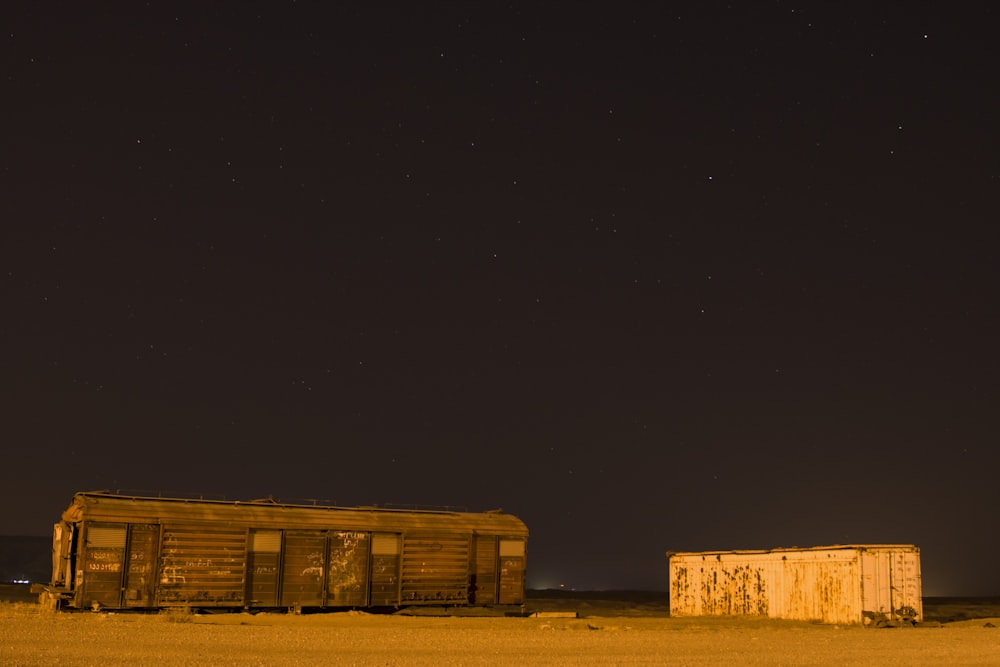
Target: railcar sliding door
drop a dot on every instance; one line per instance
(102, 559)
(385, 569)
(303, 569)
(263, 562)
(483, 589)
(347, 580)
(512, 563)
(140, 577)
(118, 565)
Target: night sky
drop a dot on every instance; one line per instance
(651, 276)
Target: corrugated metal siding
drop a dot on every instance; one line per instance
(830, 584)
(202, 564)
(435, 568)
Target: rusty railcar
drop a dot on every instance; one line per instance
(856, 583)
(133, 552)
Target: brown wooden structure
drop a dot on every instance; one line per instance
(120, 552)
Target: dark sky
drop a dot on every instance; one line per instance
(652, 276)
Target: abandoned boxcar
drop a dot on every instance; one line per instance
(854, 583)
(133, 552)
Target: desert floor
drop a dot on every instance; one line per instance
(564, 631)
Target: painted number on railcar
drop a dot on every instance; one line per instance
(103, 567)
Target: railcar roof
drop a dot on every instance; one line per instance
(105, 506)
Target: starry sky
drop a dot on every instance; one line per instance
(650, 275)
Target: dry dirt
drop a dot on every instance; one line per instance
(566, 632)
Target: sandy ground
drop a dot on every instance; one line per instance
(602, 634)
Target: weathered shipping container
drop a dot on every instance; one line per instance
(119, 552)
(869, 584)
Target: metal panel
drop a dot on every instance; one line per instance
(435, 568)
(513, 548)
(385, 570)
(385, 544)
(908, 580)
(102, 562)
(483, 587)
(265, 541)
(890, 583)
(303, 568)
(839, 584)
(62, 554)
(202, 564)
(512, 569)
(347, 578)
(263, 561)
(106, 536)
(140, 578)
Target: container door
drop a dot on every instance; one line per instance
(385, 569)
(483, 584)
(512, 563)
(140, 578)
(102, 565)
(347, 578)
(262, 568)
(876, 584)
(906, 585)
(303, 569)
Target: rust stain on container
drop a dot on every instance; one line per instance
(872, 583)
